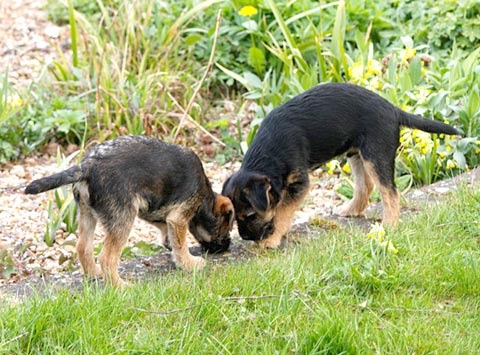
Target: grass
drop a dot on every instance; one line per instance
(334, 293)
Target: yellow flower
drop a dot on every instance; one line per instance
(356, 72)
(332, 165)
(376, 83)
(346, 168)
(390, 247)
(376, 232)
(408, 53)
(477, 151)
(450, 164)
(13, 102)
(248, 10)
(448, 148)
(374, 67)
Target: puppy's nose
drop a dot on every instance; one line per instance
(216, 247)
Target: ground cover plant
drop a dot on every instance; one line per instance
(134, 67)
(348, 290)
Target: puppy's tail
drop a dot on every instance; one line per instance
(424, 124)
(69, 176)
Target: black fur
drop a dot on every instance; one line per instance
(309, 130)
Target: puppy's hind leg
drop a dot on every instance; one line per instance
(388, 192)
(115, 239)
(86, 229)
(363, 187)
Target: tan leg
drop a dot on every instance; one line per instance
(282, 222)
(390, 198)
(109, 258)
(177, 236)
(362, 189)
(86, 229)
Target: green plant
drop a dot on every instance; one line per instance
(61, 207)
(440, 24)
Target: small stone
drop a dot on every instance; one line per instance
(71, 239)
(52, 31)
(18, 170)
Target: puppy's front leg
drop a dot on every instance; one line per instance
(297, 190)
(177, 235)
(282, 223)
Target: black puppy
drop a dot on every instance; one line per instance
(307, 131)
(162, 183)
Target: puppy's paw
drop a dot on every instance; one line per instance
(192, 263)
(270, 243)
(94, 272)
(347, 210)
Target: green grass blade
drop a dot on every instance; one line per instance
(73, 33)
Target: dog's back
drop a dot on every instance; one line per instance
(331, 119)
(141, 159)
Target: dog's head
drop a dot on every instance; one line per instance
(212, 223)
(254, 199)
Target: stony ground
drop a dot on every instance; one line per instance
(28, 42)
(27, 258)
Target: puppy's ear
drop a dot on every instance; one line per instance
(225, 186)
(257, 194)
(224, 207)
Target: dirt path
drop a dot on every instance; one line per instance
(27, 40)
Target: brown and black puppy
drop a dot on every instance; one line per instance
(162, 183)
(307, 131)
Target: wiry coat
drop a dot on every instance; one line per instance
(164, 184)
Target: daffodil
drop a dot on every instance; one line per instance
(248, 11)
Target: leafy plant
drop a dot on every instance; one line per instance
(61, 207)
